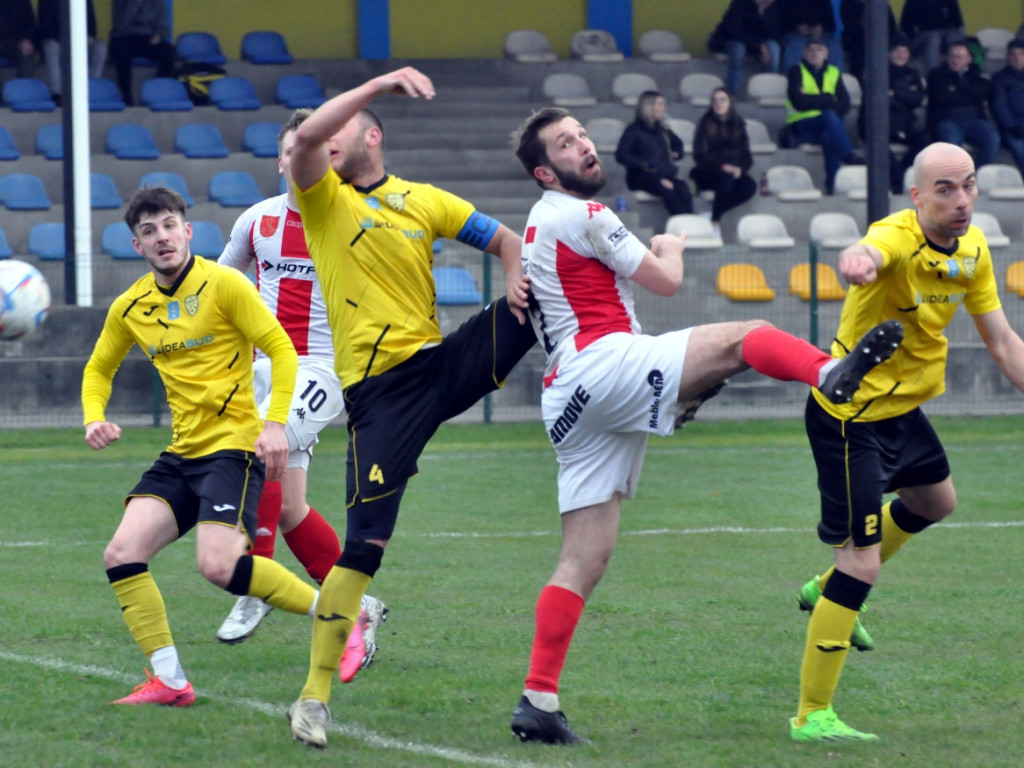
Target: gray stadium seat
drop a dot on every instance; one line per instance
(528, 46)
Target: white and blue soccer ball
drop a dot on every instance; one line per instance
(24, 299)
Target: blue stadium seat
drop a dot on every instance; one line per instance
(265, 47)
(207, 239)
(234, 189)
(116, 241)
(199, 47)
(131, 141)
(103, 191)
(104, 96)
(23, 192)
(455, 286)
(234, 93)
(261, 139)
(166, 94)
(46, 241)
(5, 248)
(296, 91)
(198, 140)
(50, 142)
(26, 94)
(9, 150)
(170, 180)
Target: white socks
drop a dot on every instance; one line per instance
(167, 667)
(546, 702)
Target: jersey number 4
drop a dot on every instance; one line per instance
(376, 475)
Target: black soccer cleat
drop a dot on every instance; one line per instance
(874, 348)
(532, 724)
(688, 411)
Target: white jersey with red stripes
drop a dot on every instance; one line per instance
(579, 257)
(270, 234)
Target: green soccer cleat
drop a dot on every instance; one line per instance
(825, 725)
(808, 596)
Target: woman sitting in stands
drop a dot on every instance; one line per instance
(649, 151)
(721, 156)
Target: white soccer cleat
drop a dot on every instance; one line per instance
(308, 719)
(244, 619)
(376, 614)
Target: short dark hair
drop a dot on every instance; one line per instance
(153, 200)
(1015, 43)
(298, 118)
(369, 116)
(529, 148)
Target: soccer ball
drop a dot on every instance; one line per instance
(24, 299)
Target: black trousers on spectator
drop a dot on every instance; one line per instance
(730, 191)
(25, 64)
(124, 48)
(677, 200)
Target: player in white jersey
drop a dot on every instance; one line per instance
(269, 236)
(607, 386)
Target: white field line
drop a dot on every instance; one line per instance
(347, 730)
(539, 534)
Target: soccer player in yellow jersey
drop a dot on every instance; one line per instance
(198, 322)
(370, 237)
(916, 266)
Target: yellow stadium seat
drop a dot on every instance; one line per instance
(743, 282)
(829, 288)
(1015, 278)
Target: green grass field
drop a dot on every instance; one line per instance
(687, 655)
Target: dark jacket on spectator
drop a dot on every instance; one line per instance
(49, 19)
(650, 149)
(851, 13)
(930, 15)
(140, 17)
(1007, 101)
(744, 24)
(794, 12)
(715, 144)
(17, 20)
(804, 102)
(957, 97)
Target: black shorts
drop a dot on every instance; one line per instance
(391, 416)
(860, 461)
(222, 488)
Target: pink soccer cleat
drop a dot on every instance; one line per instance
(355, 651)
(154, 691)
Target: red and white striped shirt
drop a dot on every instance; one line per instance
(579, 257)
(270, 234)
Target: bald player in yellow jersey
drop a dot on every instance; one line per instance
(370, 236)
(198, 322)
(916, 266)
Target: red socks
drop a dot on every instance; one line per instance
(783, 356)
(268, 513)
(558, 613)
(315, 545)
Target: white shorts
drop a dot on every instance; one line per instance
(317, 402)
(601, 407)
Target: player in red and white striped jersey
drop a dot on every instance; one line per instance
(269, 236)
(607, 386)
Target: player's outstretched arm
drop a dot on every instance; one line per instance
(859, 263)
(100, 434)
(1004, 344)
(310, 157)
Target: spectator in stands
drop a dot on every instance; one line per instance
(49, 42)
(957, 94)
(851, 13)
(139, 28)
(1008, 100)
(721, 153)
(906, 94)
(816, 102)
(649, 150)
(17, 31)
(802, 20)
(931, 25)
(748, 27)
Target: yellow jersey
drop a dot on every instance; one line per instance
(373, 253)
(199, 333)
(921, 285)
